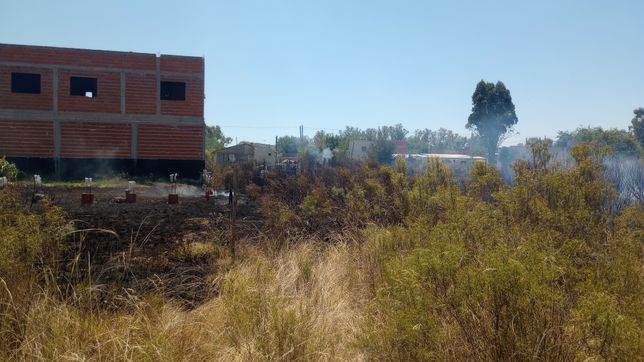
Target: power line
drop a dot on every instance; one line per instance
(263, 127)
(323, 129)
(280, 127)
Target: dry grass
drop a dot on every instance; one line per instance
(302, 304)
(540, 270)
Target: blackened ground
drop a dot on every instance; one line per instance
(148, 245)
(76, 168)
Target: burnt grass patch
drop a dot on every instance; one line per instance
(122, 251)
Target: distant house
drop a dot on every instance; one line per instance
(400, 146)
(359, 150)
(256, 153)
(459, 164)
(288, 158)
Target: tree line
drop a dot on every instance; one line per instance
(491, 121)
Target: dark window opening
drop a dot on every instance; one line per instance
(173, 91)
(82, 86)
(25, 83)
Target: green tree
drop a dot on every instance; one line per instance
(620, 141)
(324, 140)
(492, 115)
(352, 133)
(637, 125)
(382, 148)
(349, 134)
(215, 138)
(474, 145)
(443, 140)
(565, 139)
(290, 144)
(393, 133)
(380, 134)
(419, 141)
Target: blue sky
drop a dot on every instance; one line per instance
(273, 65)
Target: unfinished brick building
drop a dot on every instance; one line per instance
(77, 112)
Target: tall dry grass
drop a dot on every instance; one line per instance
(302, 303)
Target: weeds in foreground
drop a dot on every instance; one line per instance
(370, 265)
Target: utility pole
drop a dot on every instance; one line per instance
(299, 165)
(233, 214)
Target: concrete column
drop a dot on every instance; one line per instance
(158, 65)
(134, 152)
(134, 146)
(55, 88)
(57, 148)
(122, 92)
(56, 123)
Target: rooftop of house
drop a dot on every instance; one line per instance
(441, 156)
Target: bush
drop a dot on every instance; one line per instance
(535, 274)
(366, 264)
(8, 169)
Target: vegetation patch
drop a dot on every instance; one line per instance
(369, 263)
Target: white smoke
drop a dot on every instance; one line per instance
(162, 189)
(321, 157)
(326, 155)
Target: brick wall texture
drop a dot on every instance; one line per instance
(102, 126)
(95, 140)
(175, 142)
(26, 138)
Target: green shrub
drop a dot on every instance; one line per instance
(8, 169)
(541, 270)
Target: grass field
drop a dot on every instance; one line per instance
(367, 263)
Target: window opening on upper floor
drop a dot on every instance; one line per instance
(25, 83)
(173, 91)
(83, 86)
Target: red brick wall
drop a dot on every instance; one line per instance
(100, 140)
(175, 63)
(192, 106)
(140, 93)
(182, 142)
(42, 101)
(26, 138)
(108, 86)
(84, 57)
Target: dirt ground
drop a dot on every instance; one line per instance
(149, 245)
